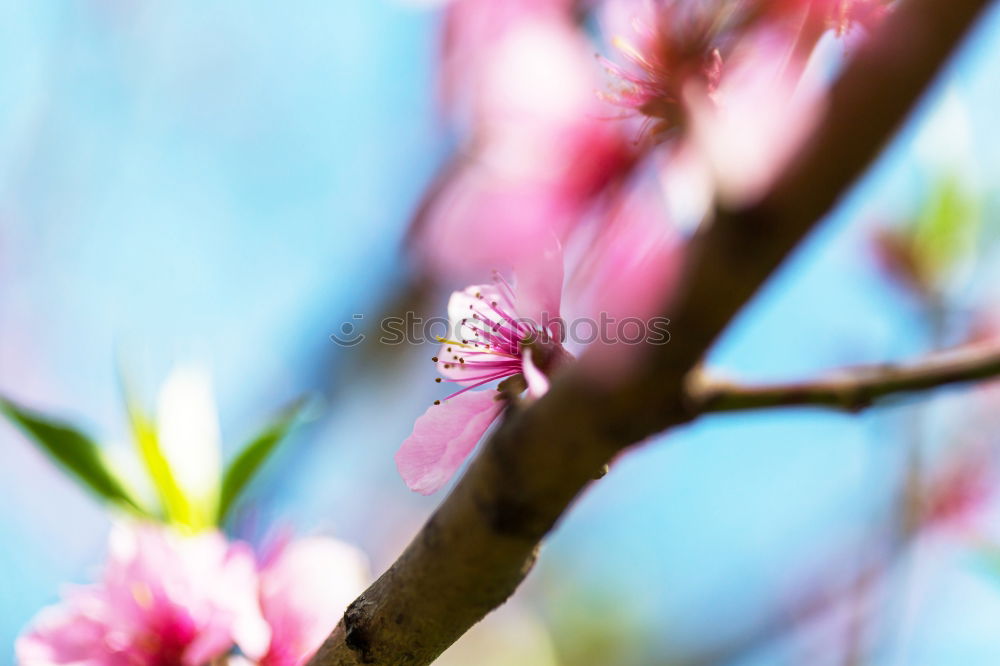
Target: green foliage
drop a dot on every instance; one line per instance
(73, 450)
(82, 457)
(945, 229)
(252, 456)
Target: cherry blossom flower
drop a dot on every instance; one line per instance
(731, 84)
(759, 113)
(168, 597)
(164, 598)
(504, 334)
(540, 150)
(671, 45)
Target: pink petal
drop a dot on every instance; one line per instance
(458, 304)
(538, 383)
(753, 123)
(304, 591)
(443, 438)
(539, 284)
(66, 634)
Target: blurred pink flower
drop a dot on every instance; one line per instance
(502, 333)
(165, 598)
(958, 491)
(626, 277)
(669, 46)
(737, 83)
(304, 589)
(540, 151)
(191, 599)
(751, 123)
(470, 27)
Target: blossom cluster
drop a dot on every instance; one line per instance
(169, 597)
(175, 590)
(579, 181)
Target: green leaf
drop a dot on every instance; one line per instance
(73, 450)
(248, 461)
(946, 227)
(176, 507)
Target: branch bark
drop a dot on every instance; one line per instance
(482, 540)
(850, 389)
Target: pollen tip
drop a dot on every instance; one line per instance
(437, 402)
(434, 358)
(437, 379)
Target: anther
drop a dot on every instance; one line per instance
(434, 358)
(437, 379)
(437, 402)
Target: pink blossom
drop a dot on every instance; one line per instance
(304, 589)
(164, 598)
(748, 127)
(628, 273)
(471, 27)
(172, 598)
(730, 84)
(502, 333)
(670, 45)
(540, 151)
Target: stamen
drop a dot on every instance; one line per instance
(505, 288)
(467, 388)
(463, 343)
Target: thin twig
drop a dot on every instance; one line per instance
(850, 389)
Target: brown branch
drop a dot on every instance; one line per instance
(478, 546)
(850, 389)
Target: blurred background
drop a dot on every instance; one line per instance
(228, 183)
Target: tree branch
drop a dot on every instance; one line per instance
(480, 543)
(850, 389)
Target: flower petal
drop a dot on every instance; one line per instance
(65, 634)
(189, 437)
(303, 592)
(443, 437)
(538, 383)
(539, 285)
